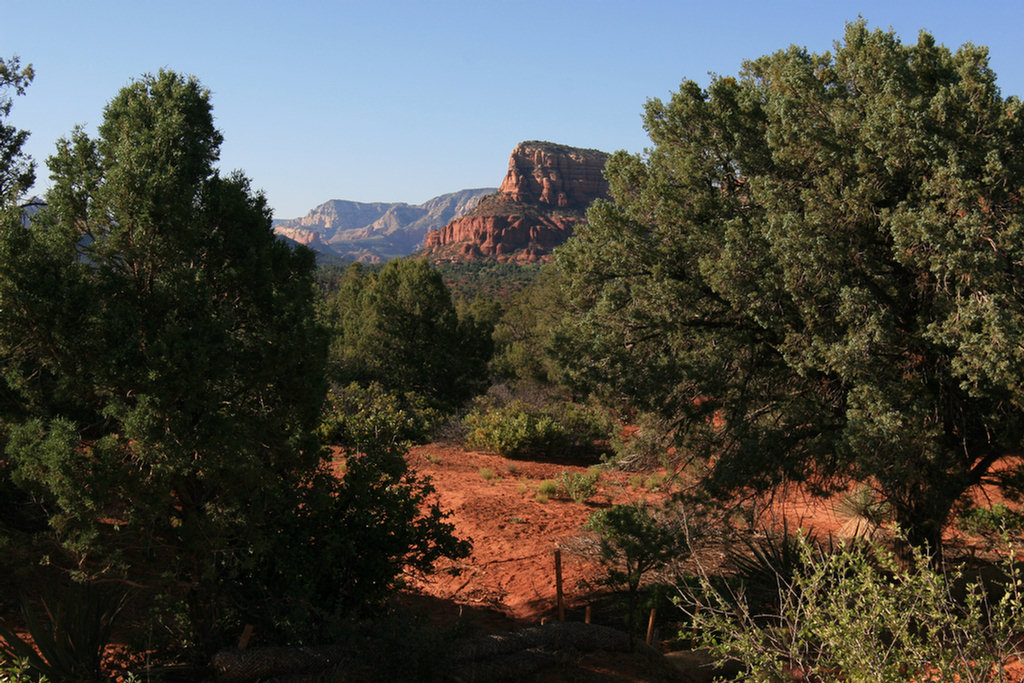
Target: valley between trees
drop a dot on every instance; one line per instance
(812, 285)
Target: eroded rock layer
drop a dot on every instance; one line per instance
(542, 199)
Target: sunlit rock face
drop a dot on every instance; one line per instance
(375, 231)
(542, 199)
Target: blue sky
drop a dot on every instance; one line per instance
(384, 100)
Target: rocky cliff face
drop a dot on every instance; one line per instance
(546, 173)
(543, 197)
(375, 231)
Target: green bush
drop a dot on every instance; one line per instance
(857, 613)
(321, 570)
(589, 427)
(546, 489)
(19, 672)
(578, 486)
(518, 429)
(634, 541)
(766, 567)
(360, 417)
(512, 430)
(993, 520)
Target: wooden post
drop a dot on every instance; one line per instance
(558, 584)
(650, 625)
(586, 615)
(243, 641)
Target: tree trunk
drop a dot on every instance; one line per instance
(922, 516)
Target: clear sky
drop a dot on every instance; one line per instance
(382, 100)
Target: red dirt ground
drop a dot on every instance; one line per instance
(509, 580)
(493, 502)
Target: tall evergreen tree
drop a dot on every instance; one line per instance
(17, 171)
(399, 327)
(162, 362)
(817, 272)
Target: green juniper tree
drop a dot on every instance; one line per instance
(817, 271)
(163, 377)
(17, 172)
(522, 333)
(399, 327)
(162, 347)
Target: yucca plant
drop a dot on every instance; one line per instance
(765, 567)
(70, 628)
(863, 511)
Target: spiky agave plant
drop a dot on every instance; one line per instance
(765, 566)
(69, 625)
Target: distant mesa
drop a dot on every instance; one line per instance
(543, 197)
(374, 232)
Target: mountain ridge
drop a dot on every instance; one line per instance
(375, 231)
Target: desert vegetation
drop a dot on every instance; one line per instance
(812, 279)
(163, 416)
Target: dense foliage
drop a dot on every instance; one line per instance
(492, 279)
(522, 335)
(163, 375)
(17, 172)
(154, 419)
(399, 327)
(816, 271)
(518, 429)
(858, 613)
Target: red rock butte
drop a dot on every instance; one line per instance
(543, 197)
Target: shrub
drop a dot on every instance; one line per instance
(361, 417)
(19, 672)
(635, 541)
(578, 486)
(321, 572)
(990, 521)
(766, 567)
(586, 425)
(863, 510)
(68, 634)
(518, 429)
(512, 430)
(856, 614)
(546, 489)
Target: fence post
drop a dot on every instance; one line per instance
(650, 624)
(558, 584)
